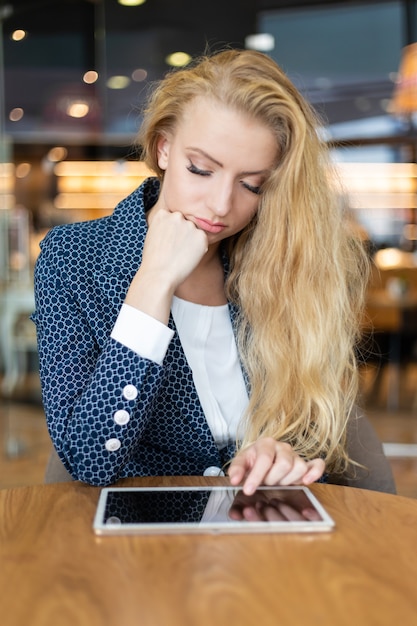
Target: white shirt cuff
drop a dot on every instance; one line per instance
(142, 333)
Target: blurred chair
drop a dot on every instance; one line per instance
(391, 325)
(17, 332)
(17, 336)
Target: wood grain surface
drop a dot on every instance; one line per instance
(55, 571)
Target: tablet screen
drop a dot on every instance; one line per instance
(205, 509)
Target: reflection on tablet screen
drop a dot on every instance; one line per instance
(202, 506)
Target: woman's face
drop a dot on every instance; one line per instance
(214, 165)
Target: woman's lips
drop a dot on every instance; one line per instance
(209, 227)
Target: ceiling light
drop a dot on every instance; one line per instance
(77, 109)
(131, 3)
(90, 77)
(56, 154)
(22, 170)
(18, 35)
(178, 59)
(264, 42)
(16, 114)
(139, 75)
(118, 82)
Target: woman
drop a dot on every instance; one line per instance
(210, 323)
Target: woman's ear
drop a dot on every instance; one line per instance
(163, 152)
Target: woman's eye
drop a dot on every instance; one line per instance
(195, 170)
(252, 188)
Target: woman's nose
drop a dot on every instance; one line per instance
(222, 200)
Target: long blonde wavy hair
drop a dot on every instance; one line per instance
(298, 274)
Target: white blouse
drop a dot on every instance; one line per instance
(209, 345)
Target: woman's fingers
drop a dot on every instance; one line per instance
(268, 462)
(315, 471)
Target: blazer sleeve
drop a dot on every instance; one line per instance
(97, 393)
(373, 470)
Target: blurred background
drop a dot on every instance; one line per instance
(73, 78)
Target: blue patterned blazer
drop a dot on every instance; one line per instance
(110, 412)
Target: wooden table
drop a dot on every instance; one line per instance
(55, 572)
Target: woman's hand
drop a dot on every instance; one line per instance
(173, 248)
(270, 462)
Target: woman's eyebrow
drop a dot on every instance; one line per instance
(206, 155)
(213, 160)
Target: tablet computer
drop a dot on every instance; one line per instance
(134, 510)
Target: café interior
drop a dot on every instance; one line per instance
(73, 78)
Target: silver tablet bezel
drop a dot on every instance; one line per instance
(326, 524)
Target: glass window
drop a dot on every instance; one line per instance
(344, 59)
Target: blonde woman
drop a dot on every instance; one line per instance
(209, 325)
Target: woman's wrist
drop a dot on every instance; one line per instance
(152, 294)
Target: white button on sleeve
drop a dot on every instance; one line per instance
(113, 521)
(213, 471)
(130, 392)
(142, 333)
(112, 445)
(121, 417)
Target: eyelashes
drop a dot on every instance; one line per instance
(255, 190)
(195, 170)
